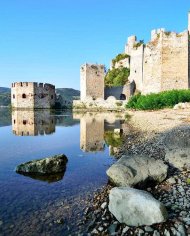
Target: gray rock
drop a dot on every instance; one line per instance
(166, 232)
(125, 230)
(177, 147)
(49, 165)
(171, 180)
(181, 230)
(135, 207)
(148, 229)
(156, 233)
(133, 170)
(104, 205)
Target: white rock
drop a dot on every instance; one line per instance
(104, 205)
(133, 170)
(135, 207)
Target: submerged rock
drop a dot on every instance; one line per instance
(135, 170)
(49, 165)
(136, 207)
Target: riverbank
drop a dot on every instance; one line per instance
(162, 135)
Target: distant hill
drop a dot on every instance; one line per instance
(5, 90)
(5, 96)
(68, 94)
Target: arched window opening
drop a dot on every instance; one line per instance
(122, 97)
(23, 95)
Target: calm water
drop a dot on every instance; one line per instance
(33, 206)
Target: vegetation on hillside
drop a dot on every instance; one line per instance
(119, 57)
(117, 77)
(158, 101)
(68, 94)
(5, 99)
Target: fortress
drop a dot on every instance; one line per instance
(32, 95)
(161, 64)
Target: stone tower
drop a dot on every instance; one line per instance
(92, 81)
(29, 95)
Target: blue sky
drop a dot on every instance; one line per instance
(48, 40)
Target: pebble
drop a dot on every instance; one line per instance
(104, 205)
(156, 233)
(148, 229)
(1, 222)
(125, 230)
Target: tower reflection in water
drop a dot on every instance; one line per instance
(99, 129)
(32, 123)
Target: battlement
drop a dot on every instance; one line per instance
(97, 67)
(30, 84)
(22, 84)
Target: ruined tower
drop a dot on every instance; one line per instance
(92, 81)
(29, 95)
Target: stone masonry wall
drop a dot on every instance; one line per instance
(174, 61)
(152, 75)
(136, 66)
(20, 90)
(44, 96)
(28, 95)
(92, 81)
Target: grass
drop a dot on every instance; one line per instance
(161, 100)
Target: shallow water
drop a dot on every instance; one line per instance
(52, 206)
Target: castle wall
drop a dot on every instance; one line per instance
(136, 66)
(28, 95)
(44, 96)
(92, 81)
(174, 61)
(152, 67)
(117, 92)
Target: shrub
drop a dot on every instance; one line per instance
(136, 45)
(112, 139)
(117, 77)
(158, 101)
(119, 57)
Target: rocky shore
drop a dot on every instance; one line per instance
(163, 137)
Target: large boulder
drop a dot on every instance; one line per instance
(137, 170)
(49, 165)
(136, 207)
(177, 147)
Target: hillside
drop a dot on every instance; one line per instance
(67, 94)
(5, 96)
(5, 90)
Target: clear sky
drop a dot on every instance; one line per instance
(48, 40)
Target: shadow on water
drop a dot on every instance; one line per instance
(50, 178)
